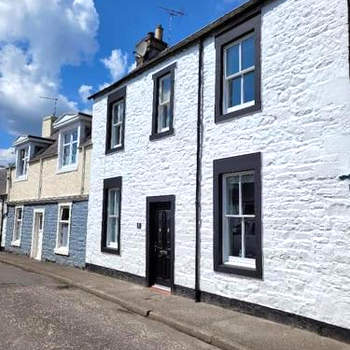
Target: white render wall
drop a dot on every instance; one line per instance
(303, 133)
(149, 168)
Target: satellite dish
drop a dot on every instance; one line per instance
(141, 48)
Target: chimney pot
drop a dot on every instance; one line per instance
(159, 32)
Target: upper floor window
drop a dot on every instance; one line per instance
(22, 162)
(237, 215)
(69, 148)
(163, 103)
(110, 242)
(238, 71)
(116, 121)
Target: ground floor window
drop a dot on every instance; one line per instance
(17, 227)
(63, 228)
(110, 241)
(237, 215)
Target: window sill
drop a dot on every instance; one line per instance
(115, 149)
(160, 135)
(238, 113)
(16, 243)
(67, 169)
(110, 250)
(22, 178)
(238, 270)
(241, 263)
(61, 251)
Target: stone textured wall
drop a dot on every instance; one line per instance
(77, 240)
(303, 135)
(149, 168)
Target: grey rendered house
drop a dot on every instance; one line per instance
(48, 191)
(220, 165)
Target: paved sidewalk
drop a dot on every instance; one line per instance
(220, 327)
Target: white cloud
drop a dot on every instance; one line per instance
(116, 63)
(7, 156)
(85, 91)
(37, 38)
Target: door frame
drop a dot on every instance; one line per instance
(41, 237)
(150, 202)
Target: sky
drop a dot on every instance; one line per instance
(71, 48)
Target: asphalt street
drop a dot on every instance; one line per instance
(37, 312)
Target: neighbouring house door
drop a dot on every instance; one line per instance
(38, 228)
(160, 238)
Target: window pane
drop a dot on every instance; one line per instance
(249, 238)
(248, 194)
(66, 151)
(65, 213)
(232, 190)
(165, 85)
(249, 87)
(75, 135)
(232, 60)
(19, 213)
(235, 236)
(115, 113)
(112, 230)
(164, 117)
(248, 52)
(66, 138)
(234, 92)
(112, 203)
(121, 111)
(63, 242)
(74, 152)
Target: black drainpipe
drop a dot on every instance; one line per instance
(199, 173)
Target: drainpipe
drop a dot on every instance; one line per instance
(199, 171)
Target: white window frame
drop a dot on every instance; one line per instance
(240, 73)
(25, 160)
(17, 242)
(70, 166)
(160, 104)
(119, 123)
(113, 245)
(63, 250)
(234, 260)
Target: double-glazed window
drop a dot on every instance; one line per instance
(69, 148)
(22, 162)
(63, 229)
(110, 241)
(237, 215)
(238, 70)
(163, 103)
(17, 227)
(115, 121)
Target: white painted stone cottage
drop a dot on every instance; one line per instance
(220, 165)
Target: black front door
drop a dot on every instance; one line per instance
(160, 243)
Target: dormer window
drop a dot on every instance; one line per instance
(22, 162)
(69, 148)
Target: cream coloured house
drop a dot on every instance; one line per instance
(48, 191)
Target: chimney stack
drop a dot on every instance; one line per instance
(150, 46)
(47, 126)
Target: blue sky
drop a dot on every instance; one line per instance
(71, 48)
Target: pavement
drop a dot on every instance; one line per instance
(216, 326)
(39, 313)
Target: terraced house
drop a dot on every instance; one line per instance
(48, 191)
(220, 165)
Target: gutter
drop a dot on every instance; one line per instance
(199, 170)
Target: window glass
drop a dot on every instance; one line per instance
(63, 227)
(232, 60)
(165, 86)
(235, 92)
(117, 123)
(248, 200)
(65, 213)
(113, 218)
(163, 123)
(250, 238)
(233, 195)
(235, 236)
(249, 87)
(248, 53)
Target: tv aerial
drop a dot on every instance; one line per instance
(54, 99)
(172, 14)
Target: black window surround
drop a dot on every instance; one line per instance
(115, 182)
(112, 99)
(156, 78)
(252, 25)
(231, 165)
